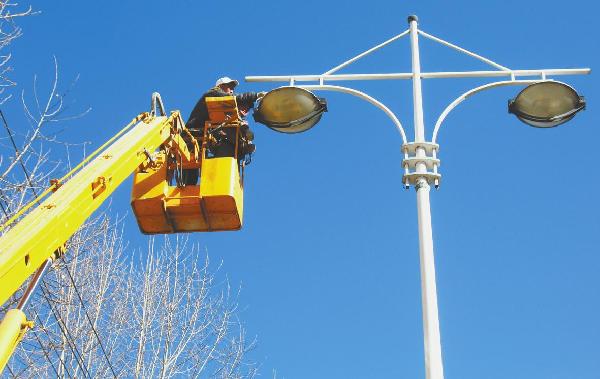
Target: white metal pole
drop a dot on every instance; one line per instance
(431, 328)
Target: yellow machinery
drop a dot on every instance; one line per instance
(215, 204)
(158, 148)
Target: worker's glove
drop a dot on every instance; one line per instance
(249, 135)
(249, 148)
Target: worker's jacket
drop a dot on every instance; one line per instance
(199, 114)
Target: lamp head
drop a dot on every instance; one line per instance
(290, 110)
(546, 104)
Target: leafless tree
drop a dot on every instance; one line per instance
(159, 312)
(9, 31)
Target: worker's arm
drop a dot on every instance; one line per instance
(243, 100)
(246, 100)
(199, 114)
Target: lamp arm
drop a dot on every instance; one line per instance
(470, 93)
(363, 96)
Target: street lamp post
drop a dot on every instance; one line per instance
(420, 161)
(431, 324)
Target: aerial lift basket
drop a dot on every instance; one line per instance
(215, 204)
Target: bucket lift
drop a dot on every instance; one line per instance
(165, 200)
(166, 159)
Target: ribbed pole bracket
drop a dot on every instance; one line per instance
(411, 162)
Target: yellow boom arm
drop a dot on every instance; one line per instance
(35, 238)
(43, 231)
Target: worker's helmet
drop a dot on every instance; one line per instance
(226, 80)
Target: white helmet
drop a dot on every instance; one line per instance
(226, 80)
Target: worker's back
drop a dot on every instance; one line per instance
(199, 115)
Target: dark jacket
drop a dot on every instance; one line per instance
(199, 114)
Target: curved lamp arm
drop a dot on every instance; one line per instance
(470, 93)
(363, 96)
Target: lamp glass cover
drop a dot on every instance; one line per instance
(289, 109)
(546, 104)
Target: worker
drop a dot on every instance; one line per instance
(225, 137)
(223, 87)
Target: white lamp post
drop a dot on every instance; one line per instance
(544, 103)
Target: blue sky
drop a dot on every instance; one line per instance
(328, 257)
